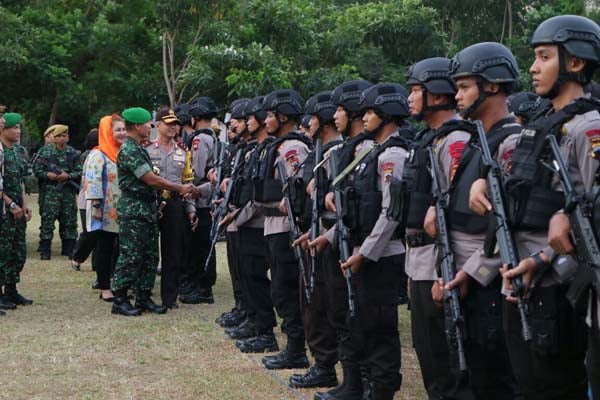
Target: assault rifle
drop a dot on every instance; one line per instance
(504, 237)
(221, 210)
(343, 236)
(314, 219)
(56, 170)
(579, 207)
(447, 264)
(219, 156)
(294, 230)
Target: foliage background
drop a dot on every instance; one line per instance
(72, 61)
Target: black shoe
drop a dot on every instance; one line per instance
(234, 319)
(5, 304)
(350, 389)
(122, 306)
(171, 306)
(45, 255)
(186, 288)
(316, 376)
(96, 284)
(75, 267)
(107, 299)
(198, 297)
(264, 343)
(144, 302)
(243, 331)
(402, 299)
(286, 360)
(12, 295)
(226, 315)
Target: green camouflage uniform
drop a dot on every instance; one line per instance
(138, 222)
(59, 201)
(12, 231)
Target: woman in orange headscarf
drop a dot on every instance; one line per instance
(102, 193)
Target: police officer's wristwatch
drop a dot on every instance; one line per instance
(13, 205)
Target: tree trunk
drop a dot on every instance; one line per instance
(166, 68)
(510, 19)
(54, 110)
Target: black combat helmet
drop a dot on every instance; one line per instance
(348, 94)
(322, 106)
(203, 107)
(305, 121)
(579, 37)
(284, 101)
(489, 61)
(525, 105)
(182, 111)
(433, 77)
(238, 109)
(255, 107)
(386, 99)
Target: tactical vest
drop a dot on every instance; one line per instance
(266, 187)
(531, 199)
(362, 196)
(322, 183)
(460, 216)
(346, 152)
(229, 156)
(411, 196)
(241, 192)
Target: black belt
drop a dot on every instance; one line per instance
(139, 196)
(273, 212)
(419, 239)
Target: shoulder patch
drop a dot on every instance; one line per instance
(388, 170)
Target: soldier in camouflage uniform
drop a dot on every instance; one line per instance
(138, 219)
(12, 231)
(59, 201)
(48, 141)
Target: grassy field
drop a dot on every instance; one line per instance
(67, 345)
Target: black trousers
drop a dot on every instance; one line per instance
(284, 284)
(233, 263)
(173, 228)
(255, 283)
(490, 372)
(107, 252)
(197, 253)
(85, 243)
(593, 360)
(441, 379)
(374, 334)
(319, 316)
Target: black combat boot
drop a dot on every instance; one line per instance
(262, 343)
(198, 296)
(245, 330)
(5, 304)
(316, 376)
(122, 306)
(67, 247)
(12, 295)
(45, 249)
(293, 356)
(350, 389)
(144, 302)
(234, 319)
(378, 393)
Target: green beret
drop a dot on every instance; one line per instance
(136, 115)
(11, 119)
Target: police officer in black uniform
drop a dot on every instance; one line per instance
(256, 334)
(319, 315)
(238, 139)
(431, 100)
(196, 282)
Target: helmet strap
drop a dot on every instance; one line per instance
(466, 113)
